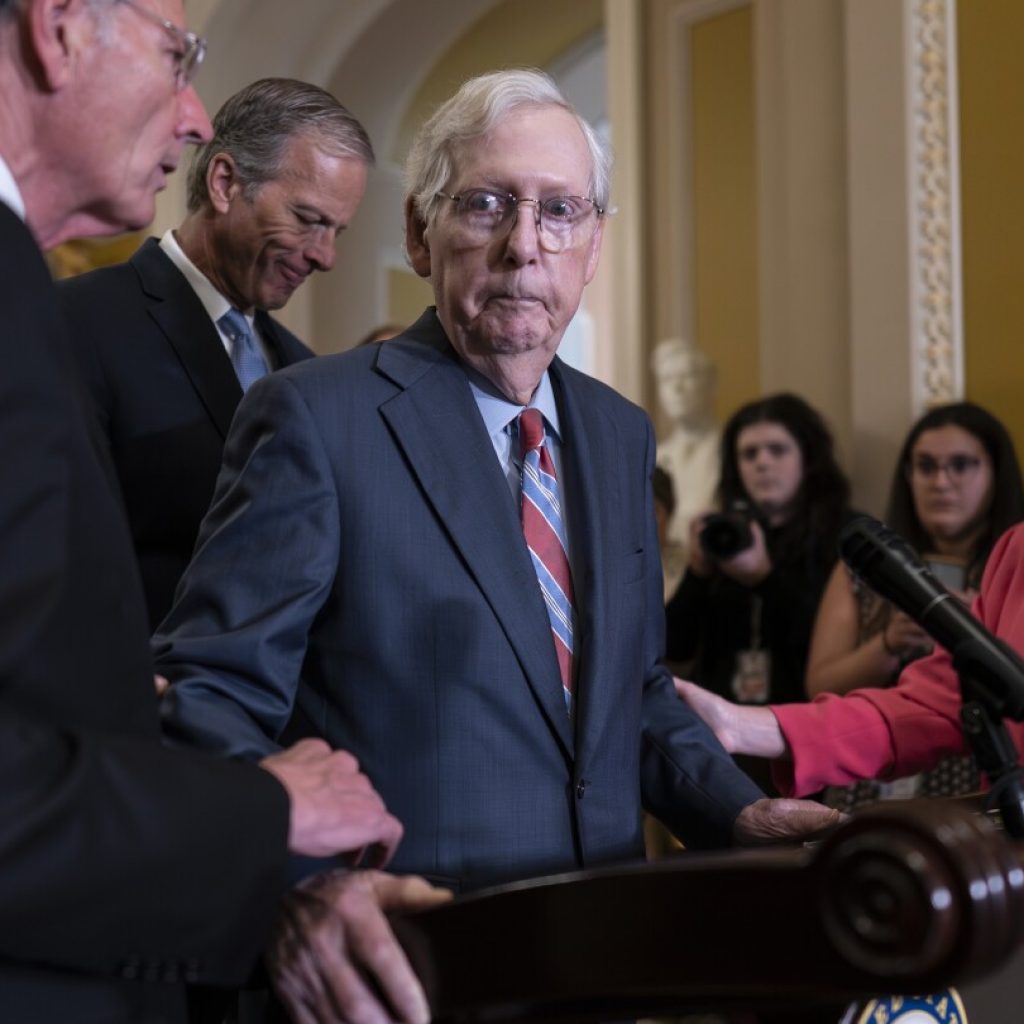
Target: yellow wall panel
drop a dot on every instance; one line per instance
(992, 195)
(725, 203)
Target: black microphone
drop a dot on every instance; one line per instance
(884, 560)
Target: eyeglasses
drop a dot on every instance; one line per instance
(562, 221)
(957, 467)
(191, 48)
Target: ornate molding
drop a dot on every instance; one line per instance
(937, 309)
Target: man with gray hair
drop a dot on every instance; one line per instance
(126, 869)
(170, 340)
(439, 551)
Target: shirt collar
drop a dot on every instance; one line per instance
(213, 302)
(498, 411)
(10, 194)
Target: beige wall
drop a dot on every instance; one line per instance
(803, 210)
(747, 240)
(827, 214)
(824, 251)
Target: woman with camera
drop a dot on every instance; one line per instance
(893, 732)
(741, 620)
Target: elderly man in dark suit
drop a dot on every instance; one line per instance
(440, 551)
(170, 340)
(125, 868)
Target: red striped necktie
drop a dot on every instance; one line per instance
(544, 529)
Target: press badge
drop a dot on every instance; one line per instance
(751, 681)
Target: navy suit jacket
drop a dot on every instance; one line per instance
(124, 866)
(165, 391)
(362, 576)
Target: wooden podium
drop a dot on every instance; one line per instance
(907, 898)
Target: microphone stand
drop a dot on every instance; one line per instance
(991, 672)
(981, 715)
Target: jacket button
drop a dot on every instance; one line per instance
(581, 788)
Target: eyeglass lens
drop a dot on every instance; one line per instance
(482, 212)
(956, 466)
(193, 47)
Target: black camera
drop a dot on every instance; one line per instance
(726, 534)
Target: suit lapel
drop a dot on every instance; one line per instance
(179, 314)
(590, 451)
(435, 421)
(282, 352)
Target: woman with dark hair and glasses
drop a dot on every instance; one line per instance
(956, 489)
(893, 732)
(743, 614)
(917, 491)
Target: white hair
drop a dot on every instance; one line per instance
(471, 113)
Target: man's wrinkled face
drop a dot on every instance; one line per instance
(507, 295)
(134, 122)
(266, 245)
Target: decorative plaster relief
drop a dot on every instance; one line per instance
(937, 314)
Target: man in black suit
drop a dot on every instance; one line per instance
(125, 868)
(268, 194)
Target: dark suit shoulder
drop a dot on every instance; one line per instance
(85, 287)
(118, 292)
(288, 347)
(19, 252)
(343, 379)
(119, 318)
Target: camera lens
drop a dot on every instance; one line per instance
(725, 535)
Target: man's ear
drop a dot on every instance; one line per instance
(56, 33)
(416, 244)
(222, 184)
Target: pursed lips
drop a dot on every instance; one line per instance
(292, 276)
(507, 299)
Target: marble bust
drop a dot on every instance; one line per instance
(689, 453)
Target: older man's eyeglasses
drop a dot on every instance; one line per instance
(562, 221)
(191, 49)
(958, 468)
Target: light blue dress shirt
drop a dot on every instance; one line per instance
(499, 416)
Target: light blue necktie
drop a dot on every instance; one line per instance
(246, 356)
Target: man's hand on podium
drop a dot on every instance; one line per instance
(772, 821)
(334, 957)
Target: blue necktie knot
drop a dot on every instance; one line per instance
(246, 357)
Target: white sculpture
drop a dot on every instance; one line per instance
(690, 452)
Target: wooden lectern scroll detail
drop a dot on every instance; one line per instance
(901, 899)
